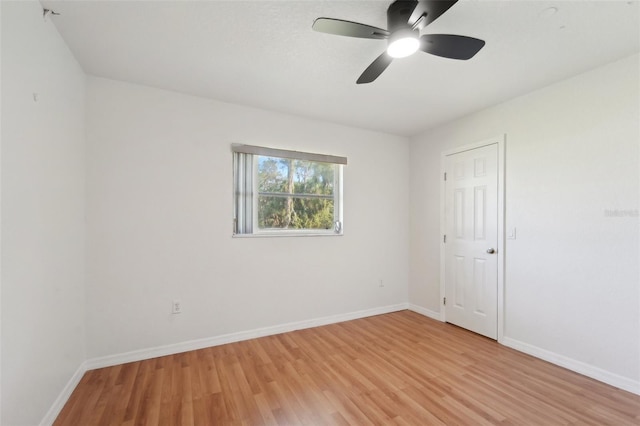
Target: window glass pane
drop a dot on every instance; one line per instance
(282, 175)
(295, 194)
(295, 212)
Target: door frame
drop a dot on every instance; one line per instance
(500, 141)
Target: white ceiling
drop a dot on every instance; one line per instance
(265, 54)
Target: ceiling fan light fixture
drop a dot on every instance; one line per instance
(403, 43)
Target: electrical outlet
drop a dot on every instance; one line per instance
(381, 284)
(176, 307)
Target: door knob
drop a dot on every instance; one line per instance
(491, 251)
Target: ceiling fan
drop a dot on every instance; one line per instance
(405, 20)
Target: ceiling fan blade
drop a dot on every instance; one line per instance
(451, 46)
(348, 28)
(375, 69)
(415, 11)
(399, 14)
(433, 10)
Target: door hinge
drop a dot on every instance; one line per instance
(444, 301)
(445, 176)
(444, 238)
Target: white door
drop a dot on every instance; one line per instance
(471, 229)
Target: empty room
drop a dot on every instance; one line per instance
(320, 212)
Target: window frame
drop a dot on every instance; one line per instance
(255, 152)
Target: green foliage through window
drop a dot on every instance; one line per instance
(295, 194)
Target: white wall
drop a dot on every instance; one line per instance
(42, 214)
(159, 216)
(572, 275)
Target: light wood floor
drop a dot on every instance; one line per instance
(399, 368)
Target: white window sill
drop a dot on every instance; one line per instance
(288, 234)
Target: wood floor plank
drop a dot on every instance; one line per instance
(400, 368)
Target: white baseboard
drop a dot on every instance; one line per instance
(580, 367)
(191, 345)
(62, 399)
(426, 312)
(585, 369)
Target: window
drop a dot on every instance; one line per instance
(279, 192)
